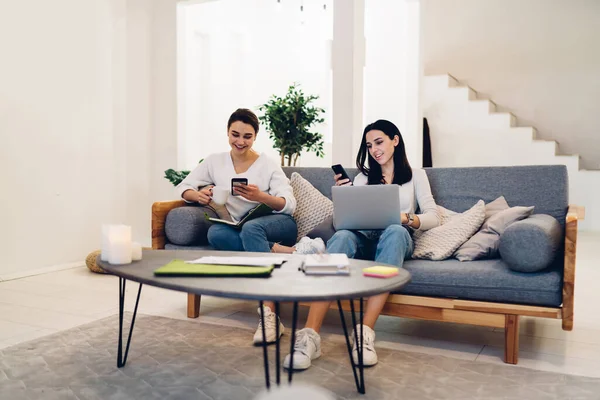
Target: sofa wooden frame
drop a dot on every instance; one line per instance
(470, 312)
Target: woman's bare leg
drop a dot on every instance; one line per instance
(374, 306)
(279, 248)
(316, 315)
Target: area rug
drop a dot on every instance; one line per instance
(178, 359)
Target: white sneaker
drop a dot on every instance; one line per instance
(306, 349)
(270, 321)
(307, 245)
(369, 354)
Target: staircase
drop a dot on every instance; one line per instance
(467, 131)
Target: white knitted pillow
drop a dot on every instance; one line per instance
(312, 207)
(441, 242)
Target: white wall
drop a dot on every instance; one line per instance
(539, 59)
(393, 70)
(87, 123)
(56, 127)
(237, 53)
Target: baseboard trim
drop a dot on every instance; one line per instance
(40, 271)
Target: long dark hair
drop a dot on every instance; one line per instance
(402, 169)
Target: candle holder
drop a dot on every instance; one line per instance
(116, 244)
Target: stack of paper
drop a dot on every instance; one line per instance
(326, 264)
(245, 261)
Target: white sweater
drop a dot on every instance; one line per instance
(415, 193)
(217, 169)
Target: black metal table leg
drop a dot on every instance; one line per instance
(277, 345)
(277, 355)
(293, 342)
(359, 377)
(121, 360)
(264, 344)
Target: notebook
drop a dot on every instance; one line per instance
(259, 211)
(326, 264)
(182, 268)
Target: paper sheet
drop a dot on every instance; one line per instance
(251, 261)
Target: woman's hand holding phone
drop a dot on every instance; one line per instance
(341, 177)
(249, 192)
(340, 181)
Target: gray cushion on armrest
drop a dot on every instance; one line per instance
(187, 225)
(531, 244)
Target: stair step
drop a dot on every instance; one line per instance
(444, 80)
(486, 106)
(452, 81)
(508, 119)
(525, 131)
(570, 160)
(551, 145)
(465, 92)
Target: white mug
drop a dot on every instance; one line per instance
(220, 194)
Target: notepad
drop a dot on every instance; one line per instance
(259, 211)
(380, 271)
(326, 264)
(181, 268)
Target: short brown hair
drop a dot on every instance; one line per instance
(244, 115)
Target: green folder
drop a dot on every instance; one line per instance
(181, 268)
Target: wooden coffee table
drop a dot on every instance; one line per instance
(286, 284)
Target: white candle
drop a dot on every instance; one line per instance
(119, 249)
(136, 251)
(104, 250)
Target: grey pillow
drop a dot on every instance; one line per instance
(187, 225)
(531, 244)
(485, 243)
(494, 207)
(324, 230)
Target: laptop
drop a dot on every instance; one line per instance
(366, 207)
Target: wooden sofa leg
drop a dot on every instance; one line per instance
(511, 339)
(193, 305)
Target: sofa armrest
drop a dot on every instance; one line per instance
(574, 214)
(160, 210)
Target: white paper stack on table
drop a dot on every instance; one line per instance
(326, 264)
(244, 261)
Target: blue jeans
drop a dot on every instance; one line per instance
(256, 235)
(392, 245)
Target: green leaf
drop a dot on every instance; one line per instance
(288, 120)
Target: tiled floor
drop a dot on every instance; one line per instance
(39, 305)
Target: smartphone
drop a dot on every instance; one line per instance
(338, 169)
(237, 182)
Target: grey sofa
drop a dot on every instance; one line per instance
(483, 292)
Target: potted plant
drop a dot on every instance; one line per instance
(175, 177)
(289, 120)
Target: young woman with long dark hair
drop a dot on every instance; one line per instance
(381, 160)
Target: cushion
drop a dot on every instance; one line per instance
(494, 207)
(441, 242)
(491, 209)
(484, 244)
(312, 207)
(187, 225)
(531, 244)
(487, 280)
(324, 230)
